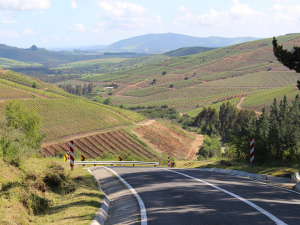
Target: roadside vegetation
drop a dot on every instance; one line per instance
(41, 191)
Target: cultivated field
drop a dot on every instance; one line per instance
(202, 79)
(114, 142)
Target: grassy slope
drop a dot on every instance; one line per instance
(90, 62)
(187, 51)
(78, 207)
(4, 63)
(270, 168)
(195, 112)
(257, 100)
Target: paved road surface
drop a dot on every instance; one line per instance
(172, 198)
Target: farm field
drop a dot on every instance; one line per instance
(235, 60)
(258, 100)
(260, 79)
(65, 117)
(195, 112)
(90, 62)
(4, 63)
(186, 98)
(187, 82)
(167, 138)
(114, 142)
(7, 93)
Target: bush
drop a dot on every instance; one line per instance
(58, 153)
(210, 148)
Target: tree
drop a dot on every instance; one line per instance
(22, 118)
(290, 59)
(108, 101)
(172, 85)
(33, 48)
(164, 73)
(154, 81)
(90, 87)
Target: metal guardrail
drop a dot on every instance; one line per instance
(115, 162)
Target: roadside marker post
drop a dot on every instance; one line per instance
(251, 151)
(71, 144)
(169, 160)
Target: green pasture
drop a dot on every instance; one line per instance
(195, 112)
(6, 63)
(265, 96)
(90, 62)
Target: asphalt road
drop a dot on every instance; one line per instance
(172, 198)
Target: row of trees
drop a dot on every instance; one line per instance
(277, 134)
(78, 90)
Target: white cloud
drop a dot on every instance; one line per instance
(28, 32)
(182, 9)
(157, 18)
(239, 14)
(9, 21)
(54, 38)
(24, 4)
(9, 34)
(96, 31)
(279, 1)
(45, 39)
(67, 39)
(123, 15)
(73, 5)
(78, 28)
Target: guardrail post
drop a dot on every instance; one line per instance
(112, 164)
(132, 164)
(94, 164)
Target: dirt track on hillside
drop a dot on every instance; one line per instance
(239, 106)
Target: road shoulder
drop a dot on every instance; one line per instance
(123, 208)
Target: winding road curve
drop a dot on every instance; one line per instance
(184, 196)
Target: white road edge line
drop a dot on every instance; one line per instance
(140, 201)
(272, 217)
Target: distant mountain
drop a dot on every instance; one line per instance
(161, 43)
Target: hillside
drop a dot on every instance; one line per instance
(160, 43)
(62, 114)
(42, 56)
(206, 78)
(187, 51)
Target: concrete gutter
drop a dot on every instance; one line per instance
(102, 213)
(294, 180)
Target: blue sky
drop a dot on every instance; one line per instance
(63, 23)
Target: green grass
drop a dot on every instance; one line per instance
(90, 62)
(78, 207)
(5, 63)
(268, 95)
(195, 112)
(261, 79)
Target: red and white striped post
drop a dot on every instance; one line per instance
(251, 151)
(169, 160)
(71, 144)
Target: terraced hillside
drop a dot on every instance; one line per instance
(95, 145)
(232, 70)
(62, 114)
(150, 140)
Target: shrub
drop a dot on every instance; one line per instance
(210, 148)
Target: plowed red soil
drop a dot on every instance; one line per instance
(166, 140)
(95, 145)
